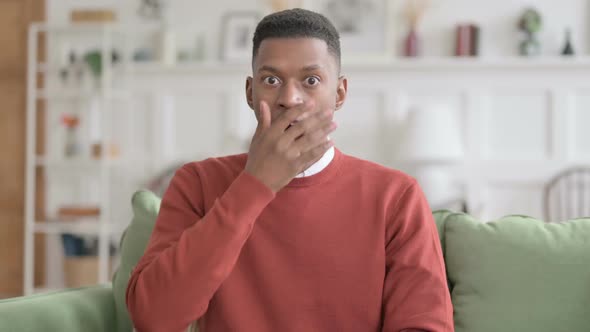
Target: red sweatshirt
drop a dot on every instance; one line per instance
(352, 248)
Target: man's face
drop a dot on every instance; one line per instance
(295, 72)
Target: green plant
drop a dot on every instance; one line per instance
(530, 21)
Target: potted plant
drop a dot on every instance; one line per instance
(530, 23)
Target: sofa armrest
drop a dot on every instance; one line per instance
(89, 309)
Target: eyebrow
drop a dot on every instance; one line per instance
(268, 68)
(312, 68)
(276, 71)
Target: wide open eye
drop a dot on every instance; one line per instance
(271, 80)
(312, 81)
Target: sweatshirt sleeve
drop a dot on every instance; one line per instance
(191, 253)
(415, 296)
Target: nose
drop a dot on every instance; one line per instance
(290, 95)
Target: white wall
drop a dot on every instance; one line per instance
(520, 122)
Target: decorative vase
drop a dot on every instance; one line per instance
(411, 44)
(530, 23)
(530, 46)
(72, 146)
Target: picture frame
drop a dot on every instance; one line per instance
(365, 27)
(237, 30)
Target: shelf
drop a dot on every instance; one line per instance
(94, 27)
(507, 62)
(54, 69)
(76, 227)
(45, 68)
(382, 63)
(78, 94)
(85, 163)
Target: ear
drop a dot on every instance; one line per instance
(249, 98)
(341, 91)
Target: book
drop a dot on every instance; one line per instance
(474, 40)
(467, 40)
(463, 40)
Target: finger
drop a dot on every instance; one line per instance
(314, 138)
(311, 124)
(292, 115)
(265, 118)
(312, 156)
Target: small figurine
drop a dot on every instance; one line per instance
(530, 23)
(568, 48)
(152, 9)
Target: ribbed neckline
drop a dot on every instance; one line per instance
(330, 171)
(327, 173)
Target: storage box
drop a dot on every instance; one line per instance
(92, 16)
(82, 271)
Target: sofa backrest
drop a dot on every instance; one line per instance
(513, 274)
(440, 218)
(146, 206)
(88, 309)
(517, 273)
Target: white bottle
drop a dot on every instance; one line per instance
(167, 37)
(167, 51)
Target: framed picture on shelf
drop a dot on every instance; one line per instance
(237, 30)
(364, 26)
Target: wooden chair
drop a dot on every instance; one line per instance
(567, 195)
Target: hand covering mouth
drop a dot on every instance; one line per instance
(291, 124)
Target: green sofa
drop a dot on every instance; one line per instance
(513, 274)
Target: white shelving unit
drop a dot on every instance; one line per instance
(85, 167)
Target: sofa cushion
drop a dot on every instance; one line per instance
(146, 206)
(89, 309)
(518, 274)
(440, 217)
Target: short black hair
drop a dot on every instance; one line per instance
(297, 23)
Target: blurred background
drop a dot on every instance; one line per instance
(486, 103)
